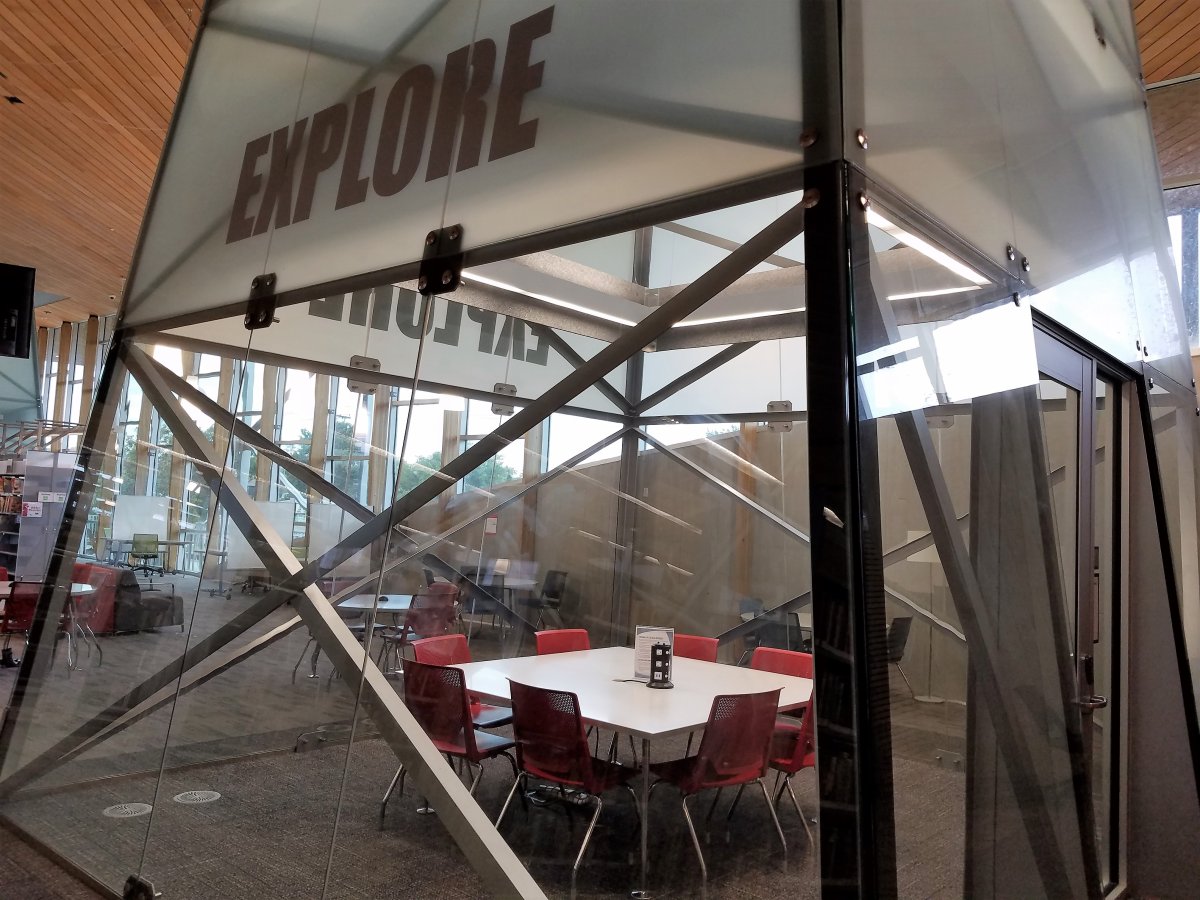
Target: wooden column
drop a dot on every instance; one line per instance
(177, 496)
(64, 368)
(266, 427)
(91, 353)
(380, 458)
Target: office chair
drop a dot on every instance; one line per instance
(145, 548)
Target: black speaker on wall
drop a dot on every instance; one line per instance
(16, 310)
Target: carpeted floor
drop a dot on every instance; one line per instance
(289, 825)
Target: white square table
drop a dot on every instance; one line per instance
(601, 679)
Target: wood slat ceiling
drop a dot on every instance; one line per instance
(97, 82)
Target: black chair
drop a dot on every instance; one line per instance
(897, 640)
(550, 601)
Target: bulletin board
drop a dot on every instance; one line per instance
(140, 515)
(328, 523)
(280, 516)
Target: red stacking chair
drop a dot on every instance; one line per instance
(562, 640)
(437, 698)
(693, 646)
(782, 662)
(19, 611)
(552, 746)
(793, 750)
(453, 650)
(733, 752)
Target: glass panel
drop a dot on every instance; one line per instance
(1060, 422)
(973, 533)
(966, 110)
(1174, 420)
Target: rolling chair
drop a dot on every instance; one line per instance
(145, 548)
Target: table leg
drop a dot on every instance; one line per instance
(643, 892)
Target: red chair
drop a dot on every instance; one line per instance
(437, 698)
(733, 752)
(433, 612)
(693, 646)
(453, 650)
(782, 662)
(552, 746)
(562, 640)
(19, 611)
(792, 751)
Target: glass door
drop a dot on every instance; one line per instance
(1080, 407)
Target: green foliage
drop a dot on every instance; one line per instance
(485, 477)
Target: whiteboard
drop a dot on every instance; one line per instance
(279, 514)
(328, 523)
(140, 515)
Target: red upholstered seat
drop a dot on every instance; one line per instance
(452, 650)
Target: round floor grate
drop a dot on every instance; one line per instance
(127, 810)
(197, 797)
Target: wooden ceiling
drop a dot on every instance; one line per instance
(96, 82)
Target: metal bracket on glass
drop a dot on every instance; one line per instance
(260, 308)
(779, 406)
(367, 364)
(441, 261)
(138, 888)
(504, 409)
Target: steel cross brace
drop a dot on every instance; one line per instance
(487, 852)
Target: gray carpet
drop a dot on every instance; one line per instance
(270, 835)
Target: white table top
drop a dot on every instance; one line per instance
(387, 602)
(631, 707)
(77, 588)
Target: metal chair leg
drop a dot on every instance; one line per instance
(398, 778)
(517, 782)
(303, 653)
(774, 817)
(475, 781)
(907, 683)
(583, 848)
(733, 806)
(803, 818)
(687, 817)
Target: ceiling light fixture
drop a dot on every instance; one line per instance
(553, 301)
(935, 292)
(922, 246)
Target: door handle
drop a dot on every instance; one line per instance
(1093, 701)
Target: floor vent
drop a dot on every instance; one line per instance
(193, 797)
(127, 810)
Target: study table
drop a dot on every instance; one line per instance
(602, 680)
(359, 604)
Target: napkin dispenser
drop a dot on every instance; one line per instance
(660, 666)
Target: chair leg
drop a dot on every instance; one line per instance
(398, 778)
(517, 783)
(633, 796)
(475, 781)
(774, 818)
(787, 780)
(907, 683)
(733, 806)
(303, 653)
(633, 747)
(583, 848)
(687, 817)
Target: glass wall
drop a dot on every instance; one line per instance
(613, 431)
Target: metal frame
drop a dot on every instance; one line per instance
(489, 854)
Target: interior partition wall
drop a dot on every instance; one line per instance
(621, 314)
